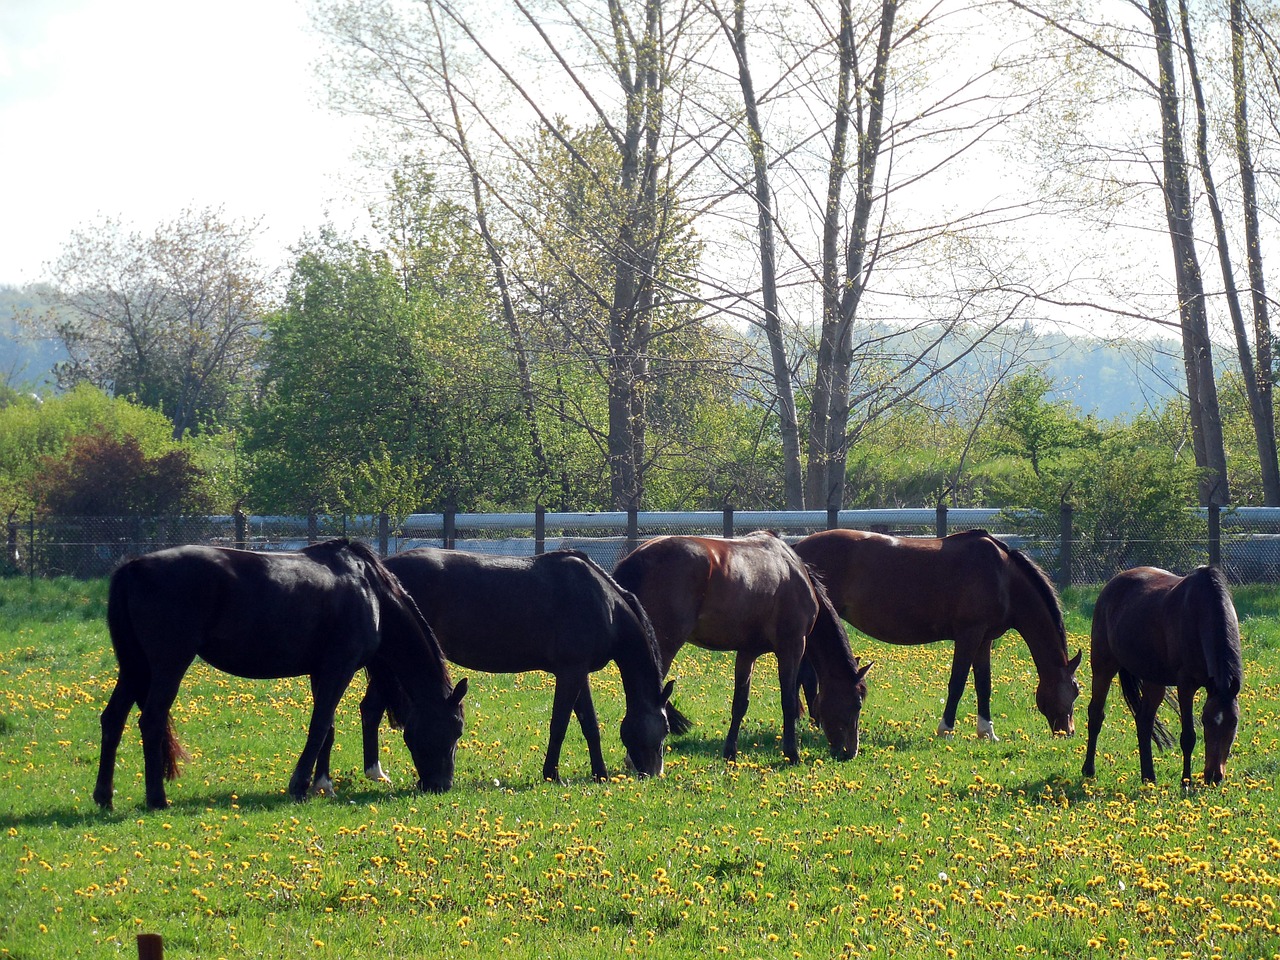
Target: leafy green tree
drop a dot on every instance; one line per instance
(381, 393)
(1032, 428)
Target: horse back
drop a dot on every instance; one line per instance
(911, 590)
(250, 614)
(1136, 624)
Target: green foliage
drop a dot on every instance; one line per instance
(1028, 426)
(34, 432)
(101, 475)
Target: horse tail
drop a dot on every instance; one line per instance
(1131, 687)
(1219, 630)
(135, 670)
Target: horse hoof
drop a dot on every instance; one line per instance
(324, 788)
(376, 772)
(944, 729)
(986, 731)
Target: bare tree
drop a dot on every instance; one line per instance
(171, 319)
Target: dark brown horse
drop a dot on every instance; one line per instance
(559, 613)
(1157, 630)
(754, 596)
(969, 588)
(324, 613)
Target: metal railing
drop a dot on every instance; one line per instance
(1246, 541)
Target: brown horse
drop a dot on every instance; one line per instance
(754, 596)
(1158, 630)
(969, 588)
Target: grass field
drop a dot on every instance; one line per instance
(919, 847)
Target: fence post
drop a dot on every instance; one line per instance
(31, 548)
(539, 530)
(833, 518)
(727, 529)
(384, 533)
(242, 529)
(633, 528)
(940, 520)
(450, 525)
(1215, 535)
(150, 946)
(313, 527)
(1064, 547)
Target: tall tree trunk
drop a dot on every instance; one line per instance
(1260, 376)
(793, 483)
(1197, 351)
(843, 285)
(1263, 430)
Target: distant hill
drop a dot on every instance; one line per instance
(26, 361)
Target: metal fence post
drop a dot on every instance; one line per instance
(384, 533)
(940, 520)
(450, 526)
(242, 529)
(313, 527)
(633, 528)
(539, 530)
(1215, 535)
(727, 529)
(1064, 547)
(833, 518)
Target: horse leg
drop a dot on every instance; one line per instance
(788, 670)
(568, 689)
(961, 660)
(326, 690)
(741, 698)
(982, 690)
(1186, 707)
(113, 720)
(585, 710)
(158, 747)
(1102, 678)
(323, 784)
(372, 707)
(1152, 696)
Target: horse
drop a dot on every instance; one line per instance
(969, 588)
(559, 613)
(324, 612)
(752, 595)
(1157, 630)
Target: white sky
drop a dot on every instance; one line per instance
(142, 108)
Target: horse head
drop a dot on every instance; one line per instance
(840, 721)
(644, 734)
(1221, 717)
(1056, 697)
(432, 734)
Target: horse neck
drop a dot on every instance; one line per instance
(1039, 624)
(639, 666)
(829, 650)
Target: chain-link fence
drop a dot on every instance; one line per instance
(1245, 541)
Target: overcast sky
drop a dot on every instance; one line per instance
(142, 108)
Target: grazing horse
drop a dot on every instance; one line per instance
(324, 612)
(557, 612)
(754, 596)
(1158, 630)
(969, 588)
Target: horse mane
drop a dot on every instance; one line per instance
(830, 618)
(1219, 634)
(650, 635)
(1040, 582)
(390, 586)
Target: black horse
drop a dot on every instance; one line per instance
(325, 612)
(559, 613)
(1158, 630)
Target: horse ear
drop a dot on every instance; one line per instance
(1074, 662)
(459, 692)
(666, 691)
(862, 671)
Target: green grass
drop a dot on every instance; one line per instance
(919, 847)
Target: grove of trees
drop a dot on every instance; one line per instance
(636, 254)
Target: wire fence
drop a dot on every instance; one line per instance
(1244, 541)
